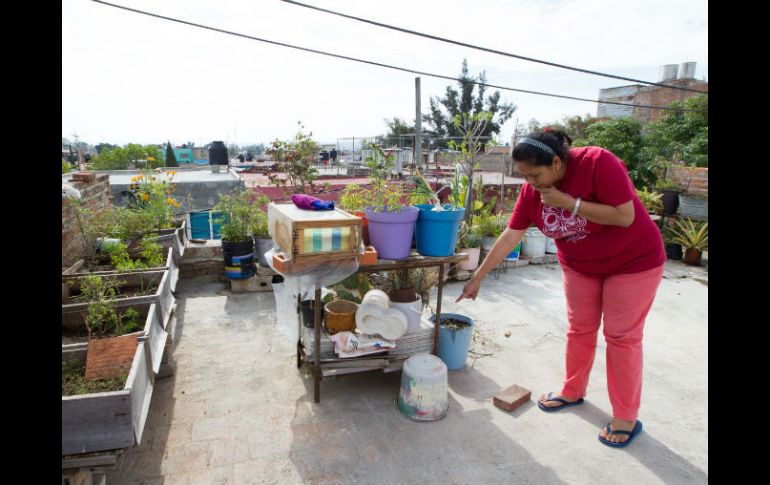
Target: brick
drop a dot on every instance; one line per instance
(88, 177)
(110, 357)
(512, 397)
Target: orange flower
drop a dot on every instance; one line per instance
(145, 197)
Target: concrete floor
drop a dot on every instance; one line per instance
(239, 412)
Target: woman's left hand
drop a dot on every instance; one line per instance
(553, 197)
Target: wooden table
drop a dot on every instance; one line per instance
(413, 261)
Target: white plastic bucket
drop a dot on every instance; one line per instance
(413, 312)
(534, 243)
(472, 262)
(550, 246)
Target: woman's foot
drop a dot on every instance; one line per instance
(618, 425)
(552, 403)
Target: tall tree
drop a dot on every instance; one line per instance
(170, 156)
(397, 127)
(444, 110)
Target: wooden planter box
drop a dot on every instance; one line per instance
(77, 270)
(107, 420)
(154, 331)
(314, 235)
(174, 238)
(163, 298)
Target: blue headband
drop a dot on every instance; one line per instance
(540, 145)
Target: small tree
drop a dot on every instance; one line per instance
(297, 160)
(472, 128)
(170, 156)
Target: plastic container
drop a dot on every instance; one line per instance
(453, 345)
(391, 232)
(472, 262)
(550, 246)
(533, 245)
(436, 231)
(514, 255)
(239, 259)
(308, 313)
(413, 313)
(422, 395)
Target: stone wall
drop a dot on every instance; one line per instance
(694, 179)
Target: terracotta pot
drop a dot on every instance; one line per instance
(692, 256)
(340, 316)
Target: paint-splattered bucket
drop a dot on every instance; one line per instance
(423, 392)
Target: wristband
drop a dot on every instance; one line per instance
(577, 206)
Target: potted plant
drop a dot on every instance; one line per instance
(652, 200)
(454, 338)
(391, 224)
(354, 199)
(437, 224)
(669, 191)
(296, 160)
(694, 237)
(259, 228)
(489, 227)
(238, 221)
(469, 242)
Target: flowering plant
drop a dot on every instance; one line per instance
(152, 194)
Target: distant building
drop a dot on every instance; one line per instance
(651, 95)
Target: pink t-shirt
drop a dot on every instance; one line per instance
(595, 175)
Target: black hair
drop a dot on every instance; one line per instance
(556, 140)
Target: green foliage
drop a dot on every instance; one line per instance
(680, 136)
(489, 225)
(297, 160)
(355, 198)
(123, 223)
(74, 383)
(690, 234)
(471, 127)
(88, 231)
(467, 237)
(132, 321)
(101, 318)
(121, 260)
(152, 253)
(353, 288)
(153, 196)
(652, 201)
(120, 158)
(65, 166)
(665, 184)
(387, 196)
(242, 215)
(454, 103)
(170, 156)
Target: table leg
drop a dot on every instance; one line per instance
(439, 294)
(317, 345)
(299, 333)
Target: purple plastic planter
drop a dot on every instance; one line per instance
(391, 232)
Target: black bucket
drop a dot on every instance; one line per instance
(308, 313)
(239, 259)
(674, 251)
(670, 201)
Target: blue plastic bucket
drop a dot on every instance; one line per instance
(453, 345)
(436, 231)
(514, 255)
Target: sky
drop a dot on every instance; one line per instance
(130, 78)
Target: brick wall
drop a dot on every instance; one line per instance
(657, 96)
(95, 191)
(694, 179)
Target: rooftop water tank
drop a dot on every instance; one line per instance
(668, 72)
(218, 153)
(687, 70)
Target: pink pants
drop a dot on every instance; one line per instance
(624, 300)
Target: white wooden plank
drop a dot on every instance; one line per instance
(141, 387)
(156, 337)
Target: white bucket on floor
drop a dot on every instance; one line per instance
(550, 246)
(534, 243)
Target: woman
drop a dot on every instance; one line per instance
(612, 257)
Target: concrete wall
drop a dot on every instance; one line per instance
(694, 179)
(95, 192)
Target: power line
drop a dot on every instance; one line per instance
(485, 49)
(388, 66)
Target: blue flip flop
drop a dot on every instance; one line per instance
(631, 435)
(565, 404)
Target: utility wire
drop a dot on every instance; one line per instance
(412, 71)
(485, 49)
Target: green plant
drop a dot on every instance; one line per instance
(238, 216)
(467, 237)
(121, 260)
(690, 234)
(387, 196)
(153, 196)
(65, 166)
(259, 222)
(152, 252)
(490, 225)
(101, 318)
(296, 159)
(663, 184)
(652, 201)
(355, 198)
(73, 381)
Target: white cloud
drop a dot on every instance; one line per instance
(131, 78)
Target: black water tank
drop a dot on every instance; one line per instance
(218, 153)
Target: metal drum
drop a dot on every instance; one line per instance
(423, 392)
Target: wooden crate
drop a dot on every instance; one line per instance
(154, 331)
(108, 420)
(314, 235)
(163, 298)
